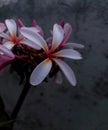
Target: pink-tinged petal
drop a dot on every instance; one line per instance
(73, 46)
(62, 24)
(35, 37)
(58, 78)
(20, 23)
(67, 31)
(34, 23)
(6, 51)
(12, 27)
(2, 27)
(40, 31)
(68, 53)
(9, 45)
(49, 42)
(58, 35)
(30, 44)
(67, 71)
(40, 72)
(4, 35)
(4, 61)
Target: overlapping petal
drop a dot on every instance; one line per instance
(68, 53)
(2, 27)
(9, 45)
(12, 27)
(35, 37)
(6, 51)
(58, 35)
(40, 72)
(40, 31)
(33, 29)
(30, 44)
(67, 31)
(66, 70)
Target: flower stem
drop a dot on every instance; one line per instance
(20, 100)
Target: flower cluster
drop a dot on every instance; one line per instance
(35, 58)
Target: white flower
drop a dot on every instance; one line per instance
(13, 37)
(54, 53)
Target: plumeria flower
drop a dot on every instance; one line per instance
(65, 45)
(54, 54)
(13, 37)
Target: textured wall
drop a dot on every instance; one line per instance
(62, 107)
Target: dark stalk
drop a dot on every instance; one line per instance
(20, 101)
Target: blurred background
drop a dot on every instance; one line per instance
(63, 107)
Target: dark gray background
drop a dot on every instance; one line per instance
(63, 107)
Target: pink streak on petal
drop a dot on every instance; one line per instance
(67, 71)
(40, 72)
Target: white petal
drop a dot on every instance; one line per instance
(58, 78)
(35, 37)
(6, 51)
(68, 53)
(30, 44)
(58, 35)
(12, 27)
(33, 29)
(9, 45)
(73, 46)
(40, 72)
(2, 27)
(67, 71)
